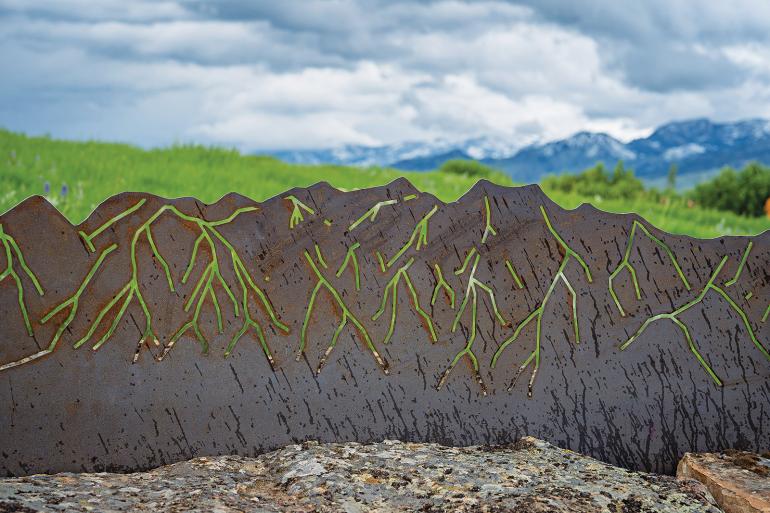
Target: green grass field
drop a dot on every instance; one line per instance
(94, 171)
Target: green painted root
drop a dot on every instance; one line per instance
(674, 317)
(347, 315)
(537, 314)
(11, 249)
(625, 263)
(391, 290)
(296, 212)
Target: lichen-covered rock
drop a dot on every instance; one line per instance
(739, 481)
(530, 476)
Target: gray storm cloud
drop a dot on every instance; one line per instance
(290, 74)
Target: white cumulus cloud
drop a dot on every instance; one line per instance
(304, 74)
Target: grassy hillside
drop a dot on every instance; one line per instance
(93, 171)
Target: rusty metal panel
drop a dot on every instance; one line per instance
(160, 330)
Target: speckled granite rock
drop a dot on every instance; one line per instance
(739, 481)
(530, 476)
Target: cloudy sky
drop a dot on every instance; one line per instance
(307, 74)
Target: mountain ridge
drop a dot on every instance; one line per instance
(698, 147)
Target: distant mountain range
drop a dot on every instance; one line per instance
(478, 148)
(698, 147)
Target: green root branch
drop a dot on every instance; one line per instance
(419, 237)
(371, 214)
(72, 303)
(347, 316)
(391, 290)
(472, 298)
(204, 290)
(212, 276)
(741, 265)
(12, 249)
(442, 284)
(625, 263)
(536, 315)
(88, 238)
(488, 228)
(351, 259)
(674, 317)
(513, 274)
(296, 213)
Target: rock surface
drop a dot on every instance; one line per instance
(739, 481)
(529, 476)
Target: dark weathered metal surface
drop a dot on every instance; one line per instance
(434, 309)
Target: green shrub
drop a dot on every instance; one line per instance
(744, 192)
(596, 182)
(468, 168)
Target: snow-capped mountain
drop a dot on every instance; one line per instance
(478, 148)
(578, 152)
(362, 155)
(695, 146)
(701, 145)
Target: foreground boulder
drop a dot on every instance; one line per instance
(739, 481)
(529, 476)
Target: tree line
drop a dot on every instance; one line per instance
(745, 192)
